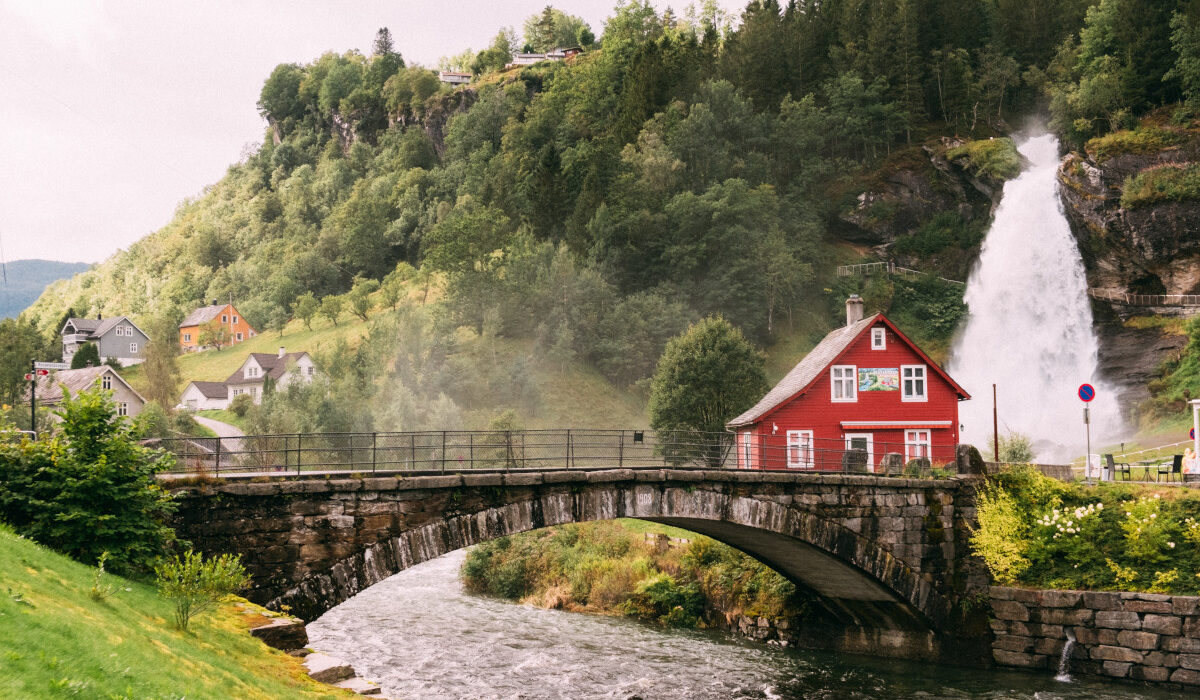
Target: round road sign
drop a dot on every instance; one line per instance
(1087, 392)
(1192, 434)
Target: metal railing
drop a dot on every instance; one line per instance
(887, 267)
(1145, 299)
(455, 451)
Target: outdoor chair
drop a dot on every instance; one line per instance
(1175, 466)
(1116, 467)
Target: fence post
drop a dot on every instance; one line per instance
(443, 451)
(374, 447)
(621, 449)
(508, 450)
(471, 450)
(412, 445)
(299, 452)
(568, 448)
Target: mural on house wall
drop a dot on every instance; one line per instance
(879, 379)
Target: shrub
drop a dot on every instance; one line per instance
(996, 158)
(1137, 141)
(240, 405)
(999, 537)
(194, 585)
(1167, 183)
(1015, 448)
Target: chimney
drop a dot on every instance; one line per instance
(854, 309)
(214, 302)
(282, 352)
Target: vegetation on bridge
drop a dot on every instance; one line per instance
(1040, 532)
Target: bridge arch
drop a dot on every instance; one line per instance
(840, 537)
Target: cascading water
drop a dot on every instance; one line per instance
(1029, 328)
(1064, 661)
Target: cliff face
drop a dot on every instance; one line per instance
(1150, 249)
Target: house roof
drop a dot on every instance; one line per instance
(273, 366)
(49, 387)
(831, 347)
(211, 390)
(204, 314)
(96, 327)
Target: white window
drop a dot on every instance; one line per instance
(863, 441)
(251, 371)
(916, 445)
(239, 336)
(878, 339)
(224, 319)
(912, 381)
(235, 319)
(843, 378)
(106, 381)
(310, 370)
(254, 391)
(122, 409)
(800, 449)
(187, 337)
(133, 348)
(746, 449)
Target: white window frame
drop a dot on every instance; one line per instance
(106, 381)
(187, 337)
(239, 336)
(234, 319)
(800, 449)
(870, 447)
(838, 373)
(879, 339)
(923, 371)
(251, 372)
(122, 408)
(747, 442)
(310, 369)
(923, 439)
(133, 348)
(224, 318)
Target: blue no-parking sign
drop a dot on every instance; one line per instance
(1087, 392)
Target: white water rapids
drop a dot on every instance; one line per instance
(1029, 329)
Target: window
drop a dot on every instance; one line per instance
(878, 339)
(187, 337)
(800, 449)
(191, 404)
(106, 381)
(133, 348)
(224, 318)
(309, 370)
(252, 371)
(912, 383)
(916, 445)
(865, 442)
(253, 391)
(843, 378)
(239, 336)
(122, 409)
(235, 319)
(746, 449)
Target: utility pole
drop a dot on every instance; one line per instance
(995, 427)
(33, 396)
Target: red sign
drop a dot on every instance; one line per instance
(28, 376)
(1087, 392)
(43, 372)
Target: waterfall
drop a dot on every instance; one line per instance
(1029, 325)
(1064, 661)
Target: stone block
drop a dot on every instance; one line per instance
(326, 669)
(1185, 645)
(522, 479)
(1154, 597)
(1049, 647)
(484, 479)
(1185, 676)
(1026, 595)
(1088, 636)
(1002, 593)
(1185, 605)
(1118, 620)
(1116, 669)
(315, 486)
(1060, 599)
(1011, 643)
(1110, 653)
(380, 483)
(283, 633)
(1148, 606)
(1190, 661)
(374, 522)
(1162, 624)
(1137, 640)
(1065, 616)
(1014, 658)
(1157, 658)
(1191, 627)
(448, 481)
(609, 476)
(249, 489)
(1101, 600)
(346, 484)
(1010, 610)
(1048, 631)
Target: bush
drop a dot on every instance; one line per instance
(996, 158)
(1015, 448)
(1142, 141)
(240, 405)
(1167, 183)
(89, 488)
(195, 586)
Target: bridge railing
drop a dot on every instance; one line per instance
(887, 268)
(1145, 299)
(454, 451)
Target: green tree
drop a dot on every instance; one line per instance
(88, 355)
(706, 377)
(195, 586)
(1185, 40)
(161, 367)
(306, 308)
(359, 297)
(90, 488)
(331, 307)
(213, 334)
(20, 342)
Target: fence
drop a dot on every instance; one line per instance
(857, 452)
(1145, 299)
(887, 267)
(453, 451)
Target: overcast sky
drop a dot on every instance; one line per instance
(111, 113)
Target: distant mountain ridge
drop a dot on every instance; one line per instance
(26, 279)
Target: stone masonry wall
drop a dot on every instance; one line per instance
(1139, 636)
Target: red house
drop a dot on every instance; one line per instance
(865, 391)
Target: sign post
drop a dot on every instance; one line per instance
(1087, 392)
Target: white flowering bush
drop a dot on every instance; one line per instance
(1148, 535)
(1068, 522)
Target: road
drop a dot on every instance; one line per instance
(221, 428)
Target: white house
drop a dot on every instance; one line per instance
(454, 77)
(283, 368)
(200, 396)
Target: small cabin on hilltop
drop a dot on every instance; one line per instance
(864, 392)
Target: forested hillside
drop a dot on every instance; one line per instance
(676, 168)
(24, 281)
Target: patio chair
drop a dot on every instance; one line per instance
(1116, 467)
(1175, 466)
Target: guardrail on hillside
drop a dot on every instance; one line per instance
(1145, 299)
(886, 267)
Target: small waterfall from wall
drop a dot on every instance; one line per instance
(1064, 661)
(1029, 329)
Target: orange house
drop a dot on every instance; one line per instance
(219, 324)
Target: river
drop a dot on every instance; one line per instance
(419, 635)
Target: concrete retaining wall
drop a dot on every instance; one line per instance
(1139, 636)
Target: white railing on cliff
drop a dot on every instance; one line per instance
(1145, 299)
(887, 267)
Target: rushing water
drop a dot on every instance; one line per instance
(1030, 325)
(420, 636)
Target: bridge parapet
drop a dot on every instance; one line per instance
(885, 555)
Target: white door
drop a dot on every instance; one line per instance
(800, 449)
(863, 441)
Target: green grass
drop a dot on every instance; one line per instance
(1143, 140)
(55, 641)
(1167, 183)
(995, 157)
(225, 416)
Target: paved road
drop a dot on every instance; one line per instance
(221, 428)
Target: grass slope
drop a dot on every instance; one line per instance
(55, 641)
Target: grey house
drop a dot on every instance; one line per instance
(50, 388)
(116, 338)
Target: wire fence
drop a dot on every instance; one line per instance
(454, 451)
(886, 267)
(1145, 299)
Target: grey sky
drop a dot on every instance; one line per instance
(111, 113)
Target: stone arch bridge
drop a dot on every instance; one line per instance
(886, 559)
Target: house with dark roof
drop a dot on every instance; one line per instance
(282, 369)
(220, 325)
(864, 395)
(50, 388)
(116, 338)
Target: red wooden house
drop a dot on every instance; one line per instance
(865, 388)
